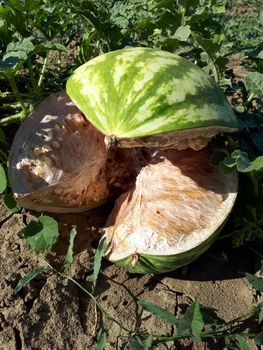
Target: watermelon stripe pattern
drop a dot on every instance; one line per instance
(138, 92)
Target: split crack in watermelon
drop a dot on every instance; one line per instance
(138, 130)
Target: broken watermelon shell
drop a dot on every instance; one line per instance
(172, 215)
(132, 98)
(153, 98)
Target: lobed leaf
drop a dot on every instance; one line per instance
(41, 235)
(256, 282)
(182, 33)
(237, 160)
(254, 83)
(10, 203)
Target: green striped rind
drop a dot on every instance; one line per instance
(154, 264)
(140, 91)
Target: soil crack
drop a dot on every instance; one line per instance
(18, 339)
(2, 222)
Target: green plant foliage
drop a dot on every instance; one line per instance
(42, 234)
(101, 340)
(256, 282)
(241, 342)
(10, 203)
(259, 338)
(3, 180)
(254, 82)
(69, 256)
(27, 278)
(136, 343)
(100, 251)
(192, 322)
(163, 314)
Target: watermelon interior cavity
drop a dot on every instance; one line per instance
(139, 92)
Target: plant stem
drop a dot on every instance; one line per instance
(12, 119)
(3, 156)
(203, 335)
(254, 181)
(16, 92)
(42, 72)
(254, 251)
(105, 312)
(32, 77)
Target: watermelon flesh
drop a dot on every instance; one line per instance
(60, 163)
(174, 211)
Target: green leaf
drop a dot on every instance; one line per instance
(259, 338)
(25, 45)
(101, 249)
(9, 62)
(158, 311)
(191, 321)
(260, 314)
(101, 340)
(27, 278)
(240, 160)
(261, 268)
(254, 83)
(197, 323)
(206, 44)
(42, 49)
(148, 342)
(256, 282)
(210, 317)
(3, 179)
(136, 343)
(41, 235)
(2, 134)
(242, 343)
(69, 256)
(182, 33)
(10, 203)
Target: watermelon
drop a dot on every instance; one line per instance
(134, 125)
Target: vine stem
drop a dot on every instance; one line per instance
(12, 119)
(40, 80)
(92, 297)
(203, 335)
(31, 74)
(3, 156)
(16, 92)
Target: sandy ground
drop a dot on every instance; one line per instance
(53, 313)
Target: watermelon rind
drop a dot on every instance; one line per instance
(137, 92)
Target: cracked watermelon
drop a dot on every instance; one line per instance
(135, 126)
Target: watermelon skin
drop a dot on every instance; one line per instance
(157, 264)
(138, 92)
